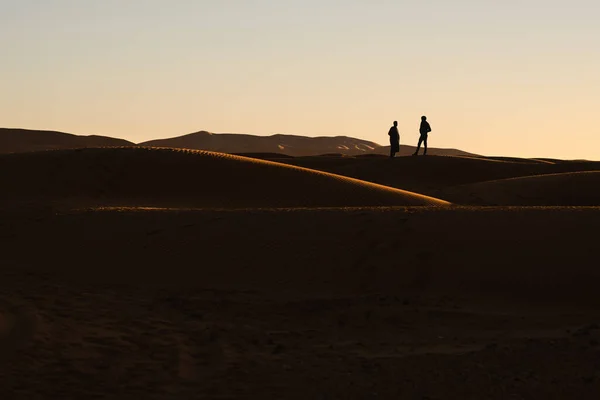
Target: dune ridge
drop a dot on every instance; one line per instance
(441, 176)
(580, 188)
(195, 178)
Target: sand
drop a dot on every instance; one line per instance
(167, 177)
(563, 189)
(108, 300)
(455, 178)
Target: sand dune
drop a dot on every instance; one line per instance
(422, 174)
(152, 273)
(264, 156)
(155, 177)
(432, 175)
(564, 189)
(24, 140)
(519, 160)
(294, 304)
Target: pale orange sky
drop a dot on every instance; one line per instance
(514, 78)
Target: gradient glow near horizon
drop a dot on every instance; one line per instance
(513, 78)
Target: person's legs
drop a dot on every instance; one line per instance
(425, 145)
(418, 146)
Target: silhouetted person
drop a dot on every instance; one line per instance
(424, 129)
(394, 139)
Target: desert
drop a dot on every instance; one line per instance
(299, 200)
(139, 271)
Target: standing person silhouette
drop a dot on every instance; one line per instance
(394, 139)
(424, 129)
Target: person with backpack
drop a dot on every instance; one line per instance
(394, 139)
(424, 130)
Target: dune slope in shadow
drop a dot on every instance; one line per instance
(438, 176)
(564, 189)
(168, 177)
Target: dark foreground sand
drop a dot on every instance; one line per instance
(415, 303)
(280, 283)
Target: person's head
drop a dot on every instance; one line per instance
(423, 118)
(395, 123)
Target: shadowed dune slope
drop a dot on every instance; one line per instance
(160, 177)
(426, 174)
(24, 140)
(431, 175)
(565, 189)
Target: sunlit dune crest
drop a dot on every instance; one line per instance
(520, 160)
(159, 176)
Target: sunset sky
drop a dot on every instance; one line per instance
(513, 78)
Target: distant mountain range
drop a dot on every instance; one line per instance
(23, 140)
(291, 145)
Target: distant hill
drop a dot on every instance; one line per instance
(25, 140)
(291, 145)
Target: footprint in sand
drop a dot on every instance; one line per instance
(17, 327)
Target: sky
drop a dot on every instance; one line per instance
(513, 78)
